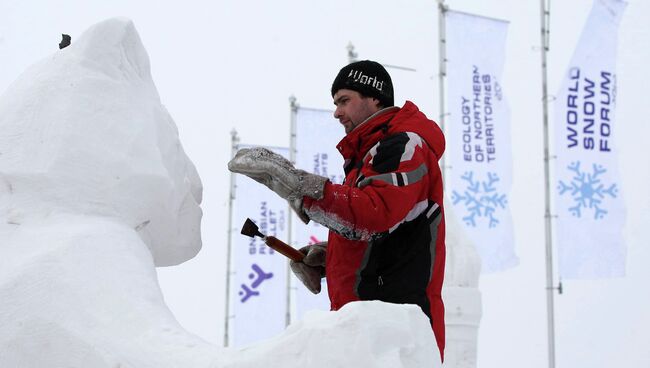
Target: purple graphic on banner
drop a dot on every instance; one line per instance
(270, 222)
(477, 116)
(321, 167)
(260, 276)
(590, 99)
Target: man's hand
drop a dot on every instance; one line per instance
(279, 175)
(312, 268)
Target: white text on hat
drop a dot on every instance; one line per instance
(358, 77)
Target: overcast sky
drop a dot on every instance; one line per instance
(220, 65)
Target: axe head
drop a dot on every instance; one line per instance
(250, 229)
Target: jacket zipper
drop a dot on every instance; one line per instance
(380, 281)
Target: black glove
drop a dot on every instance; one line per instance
(312, 268)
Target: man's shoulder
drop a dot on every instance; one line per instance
(411, 120)
(396, 141)
(390, 151)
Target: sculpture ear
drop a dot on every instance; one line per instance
(117, 44)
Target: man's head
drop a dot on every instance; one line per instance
(359, 90)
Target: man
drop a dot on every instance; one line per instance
(386, 239)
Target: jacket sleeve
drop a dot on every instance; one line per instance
(392, 188)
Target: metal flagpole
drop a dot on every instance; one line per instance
(442, 74)
(234, 142)
(352, 55)
(292, 157)
(550, 305)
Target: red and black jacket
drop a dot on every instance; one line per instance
(386, 221)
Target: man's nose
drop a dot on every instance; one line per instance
(337, 113)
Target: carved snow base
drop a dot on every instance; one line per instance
(462, 318)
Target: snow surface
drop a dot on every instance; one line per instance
(95, 191)
(84, 132)
(460, 293)
(361, 334)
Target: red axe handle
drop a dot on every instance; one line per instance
(284, 249)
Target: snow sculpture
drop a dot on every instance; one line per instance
(84, 132)
(95, 191)
(461, 296)
(361, 334)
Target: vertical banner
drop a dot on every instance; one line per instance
(317, 133)
(478, 136)
(258, 289)
(590, 209)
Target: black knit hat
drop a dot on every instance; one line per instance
(368, 78)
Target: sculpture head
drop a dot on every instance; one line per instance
(84, 132)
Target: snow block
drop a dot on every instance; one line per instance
(84, 132)
(361, 334)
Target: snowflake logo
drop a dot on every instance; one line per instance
(587, 190)
(481, 199)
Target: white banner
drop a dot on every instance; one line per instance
(588, 201)
(478, 136)
(258, 287)
(317, 134)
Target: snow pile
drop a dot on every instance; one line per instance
(95, 191)
(79, 291)
(361, 334)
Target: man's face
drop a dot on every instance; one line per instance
(352, 109)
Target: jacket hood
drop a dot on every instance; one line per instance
(410, 119)
(388, 122)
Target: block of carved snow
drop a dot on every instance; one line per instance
(361, 334)
(84, 132)
(463, 264)
(461, 295)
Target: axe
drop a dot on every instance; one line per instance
(250, 229)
